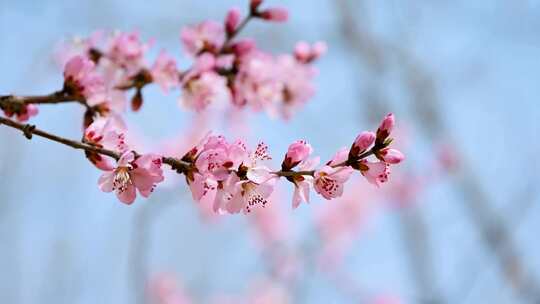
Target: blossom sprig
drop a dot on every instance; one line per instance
(228, 175)
(101, 70)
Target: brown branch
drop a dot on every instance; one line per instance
(178, 165)
(54, 98)
(30, 130)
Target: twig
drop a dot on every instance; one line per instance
(29, 130)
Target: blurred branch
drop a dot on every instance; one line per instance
(416, 238)
(518, 211)
(422, 88)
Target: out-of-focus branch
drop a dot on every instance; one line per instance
(416, 237)
(422, 88)
(522, 204)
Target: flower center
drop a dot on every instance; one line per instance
(122, 179)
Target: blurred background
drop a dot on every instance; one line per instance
(458, 222)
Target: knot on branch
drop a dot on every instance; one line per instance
(28, 130)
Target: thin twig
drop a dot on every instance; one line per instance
(29, 130)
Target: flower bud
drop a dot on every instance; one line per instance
(302, 51)
(243, 47)
(386, 127)
(298, 152)
(364, 141)
(275, 14)
(254, 5)
(319, 49)
(136, 101)
(391, 156)
(232, 20)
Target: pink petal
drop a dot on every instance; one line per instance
(128, 196)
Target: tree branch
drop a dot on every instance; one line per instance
(30, 130)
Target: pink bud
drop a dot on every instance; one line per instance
(254, 4)
(232, 20)
(391, 156)
(302, 51)
(298, 152)
(243, 46)
(319, 49)
(387, 124)
(364, 141)
(275, 14)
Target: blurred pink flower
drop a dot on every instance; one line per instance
(232, 20)
(275, 14)
(206, 36)
(127, 51)
(81, 80)
(206, 90)
(165, 73)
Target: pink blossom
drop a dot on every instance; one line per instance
(298, 152)
(275, 14)
(203, 189)
(206, 36)
(109, 133)
(86, 47)
(339, 158)
(329, 181)
(279, 85)
(132, 173)
(306, 53)
(127, 51)
(232, 20)
(225, 62)
(217, 157)
(82, 80)
(391, 156)
(257, 83)
(208, 89)
(374, 172)
(164, 72)
(303, 184)
(298, 87)
(237, 194)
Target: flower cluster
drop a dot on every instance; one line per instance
(101, 69)
(234, 178)
(227, 176)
